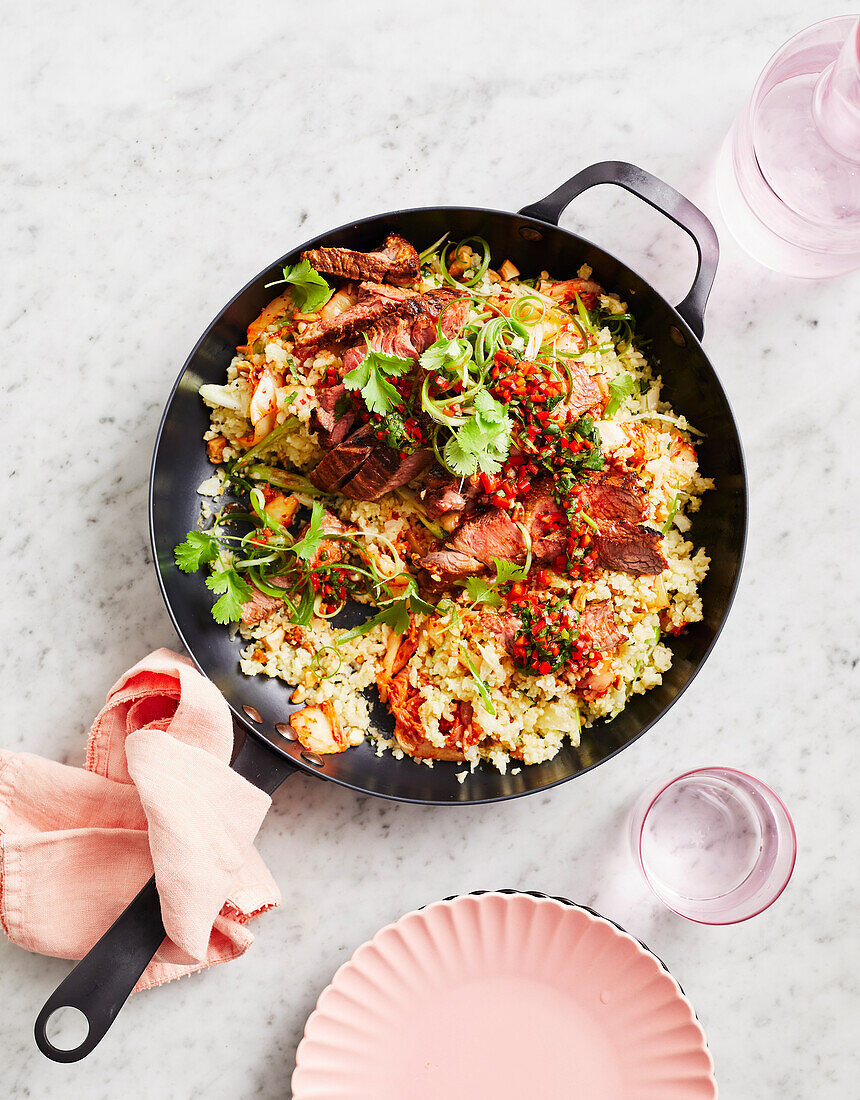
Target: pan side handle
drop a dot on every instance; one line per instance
(101, 982)
(663, 198)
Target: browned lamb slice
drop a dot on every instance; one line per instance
(384, 471)
(341, 463)
(479, 539)
(597, 625)
(396, 262)
(374, 303)
(332, 427)
(635, 550)
(260, 605)
(411, 329)
(616, 504)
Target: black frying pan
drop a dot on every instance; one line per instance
(100, 983)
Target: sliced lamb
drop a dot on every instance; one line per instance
(612, 498)
(444, 494)
(479, 539)
(384, 471)
(616, 504)
(587, 392)
(260, 605)
(597, 624)
(411, 329)
(332, 428)
(396, 262)
(636, 550)
(448, 565)
(341, 463)
(546, 522)
(505, 625)
(373, 304)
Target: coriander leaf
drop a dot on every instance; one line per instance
(379, 395)
(312, 539)
(488, 406)
(482, 442)
(358, 376)
(394, 615)
(508, 571)
(199, 548)
(391, 364)
(460, 461)
(236, 592)
(420, 607)
(308, 288)
(444, 354)
(369, 377)
(481, 592)
(619, 388)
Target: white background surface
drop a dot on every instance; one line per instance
(155, 157)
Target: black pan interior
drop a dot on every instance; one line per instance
(690, 384)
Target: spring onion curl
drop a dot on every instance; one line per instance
(527, 539)
(320, 614)
(479, 274)
(316, 662)
(266, 443)
(260, 582)
(431, 250)
(439, 457)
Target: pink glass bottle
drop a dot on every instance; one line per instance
(788, 178)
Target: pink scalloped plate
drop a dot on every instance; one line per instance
(508, 996)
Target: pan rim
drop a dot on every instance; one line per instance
(297, 762)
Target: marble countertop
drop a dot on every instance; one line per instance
(158, 155)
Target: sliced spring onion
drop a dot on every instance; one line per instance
(589, 521)
(316, 662)
(431, 249)
(283, 480)
(671, 517)
(265, 443)
(527, 538)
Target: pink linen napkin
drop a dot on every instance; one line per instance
(157, 793)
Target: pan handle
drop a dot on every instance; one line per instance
(101, 982)
(663, 198)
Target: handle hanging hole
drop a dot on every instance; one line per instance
(677, 336)
(67, 1028)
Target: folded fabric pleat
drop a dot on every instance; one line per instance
(157, 796)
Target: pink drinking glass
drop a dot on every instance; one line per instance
(716, 845)
(788, 177)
